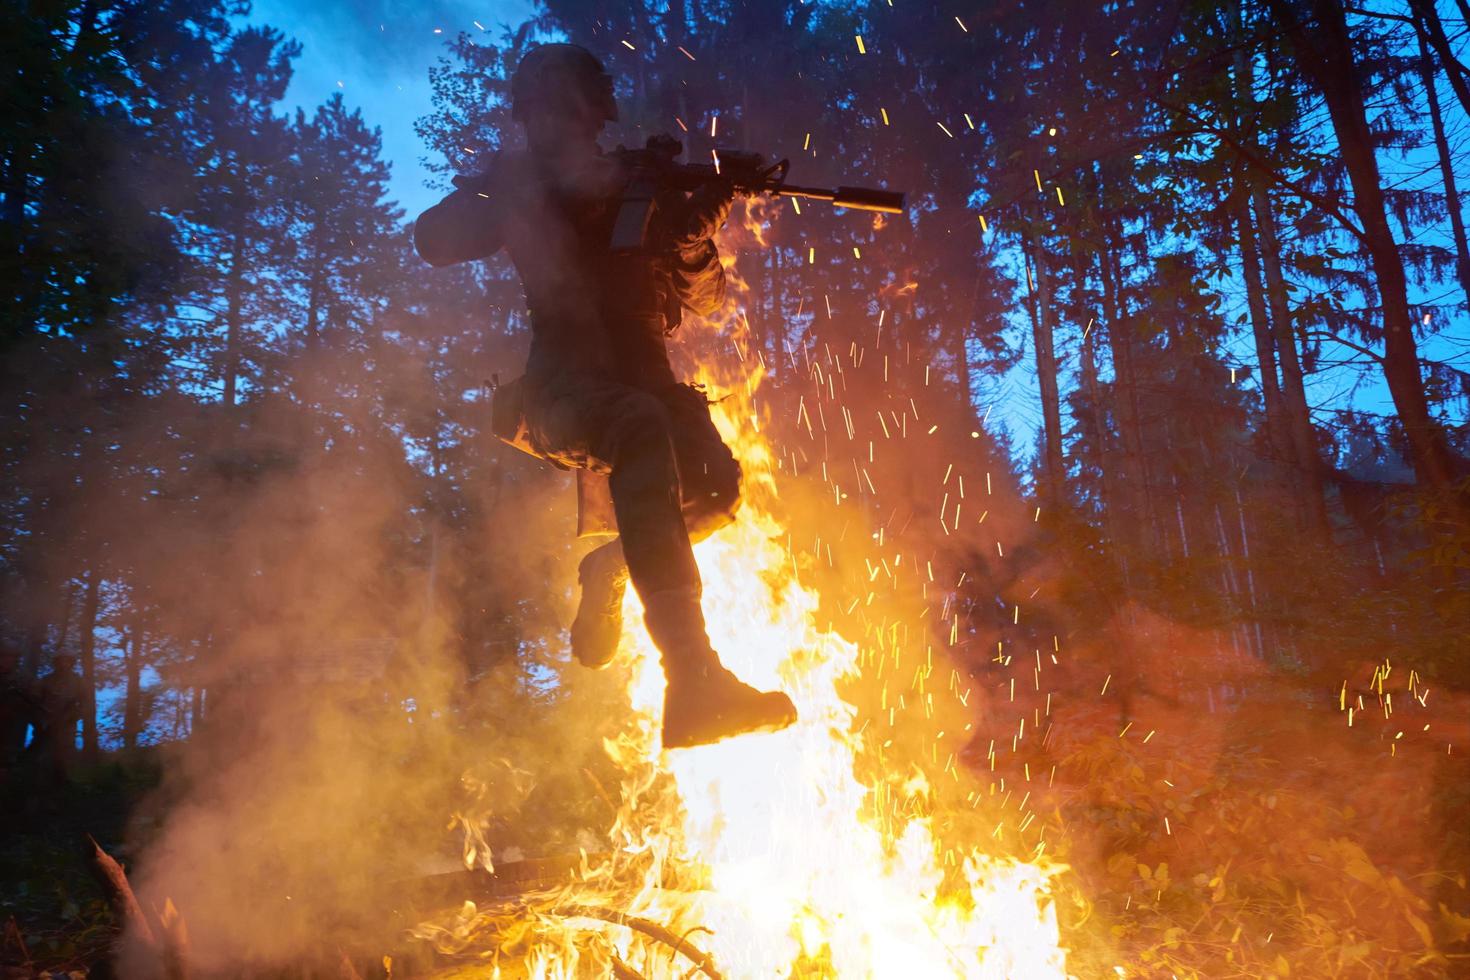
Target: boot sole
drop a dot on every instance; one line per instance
(596, 645)
(608, 651)
(696, 737)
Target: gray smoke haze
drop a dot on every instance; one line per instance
(348, 715)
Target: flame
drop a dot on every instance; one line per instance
(769, 853)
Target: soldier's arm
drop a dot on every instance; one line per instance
(699, 278)
(464, 226)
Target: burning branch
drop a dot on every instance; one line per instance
(653, 930)
(164, 935)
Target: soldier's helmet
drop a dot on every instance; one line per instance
(553, 77)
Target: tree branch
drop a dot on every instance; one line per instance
(1327, 335)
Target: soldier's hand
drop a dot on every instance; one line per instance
(704, 213)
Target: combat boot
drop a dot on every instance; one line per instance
(599, 624)
(703, 701)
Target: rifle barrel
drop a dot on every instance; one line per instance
(858, 198)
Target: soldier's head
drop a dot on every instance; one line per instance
(63, 663)
(562, 95)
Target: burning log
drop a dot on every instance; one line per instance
(508, 916)
(622, 971)
(14, 939)
(163, 937)
(114, 881)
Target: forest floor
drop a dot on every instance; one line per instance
(1263, 838)
(55, 916)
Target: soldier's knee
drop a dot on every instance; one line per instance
(712, 496)
(639, 424)
(725, 489)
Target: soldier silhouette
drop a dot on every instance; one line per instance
(599, 392)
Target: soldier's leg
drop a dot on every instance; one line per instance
(598, 627)
(709, 482)
(703, 702)
(709, 474)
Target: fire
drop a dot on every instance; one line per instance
(768, 854)
(799, 870)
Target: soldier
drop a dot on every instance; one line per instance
(599, 392)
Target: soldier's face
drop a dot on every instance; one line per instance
(569, 128)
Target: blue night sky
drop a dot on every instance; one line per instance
(378, 53)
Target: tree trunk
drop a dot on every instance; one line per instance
(1293, 381)
(778, 301)
(1096, 432)
(133, 694)
(313, 308)
(63, 625)
(91, 600)
(959, 352)
(1250, 575)
(1141, 524)
(234, 300)
(1446, 170)
(1277, 431)
(202, 651)
(1053, 467)
(1326, 55)
(1431, 29)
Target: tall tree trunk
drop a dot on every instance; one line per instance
(234, 301)
(959, 352)
(776, 317)
(1053, 467)
(91, 601)
(202, 652)
(1140, 524)
(1297, 439)
(63, 625)
(1431, 29)
(1446, 170)
(1250, 575)
(1325, 54)
(314, 308)
(1096, 432)
(133, 693)
(1277, 431)
(1293, 379)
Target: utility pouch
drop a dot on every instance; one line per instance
(508, 416)
(595, 517)
(635, 212)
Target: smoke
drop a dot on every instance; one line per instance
(369, 660)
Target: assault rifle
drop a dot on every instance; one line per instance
(655, 167)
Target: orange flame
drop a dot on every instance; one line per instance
(770, 851)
